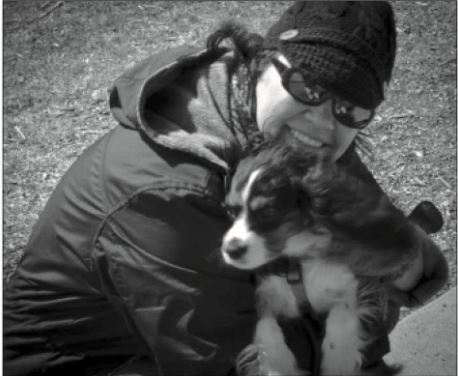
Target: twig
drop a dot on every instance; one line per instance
(44, 5)
(43, 15)
(49, 11)
(408, 113)
(18, 130)
(92, 132)
(421, 183)
(451, 60)
(444, 182)
(7, 59)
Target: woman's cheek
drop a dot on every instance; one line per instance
(272, 126)
(275, 115)
(343, 137)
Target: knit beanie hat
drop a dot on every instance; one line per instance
(347, 46)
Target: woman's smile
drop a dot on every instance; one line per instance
(304, 138)
(299, 139)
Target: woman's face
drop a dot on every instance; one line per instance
(296, 124)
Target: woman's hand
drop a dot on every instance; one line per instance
(425, 277)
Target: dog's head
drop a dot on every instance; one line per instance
(290, 203)
(269, 209)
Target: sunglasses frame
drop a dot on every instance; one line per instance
(286, 73)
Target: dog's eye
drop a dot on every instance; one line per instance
(233, 210)
(265, 212)
(264, 218)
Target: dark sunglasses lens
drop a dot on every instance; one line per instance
(310, 93)
(302, 90)
(350, 115)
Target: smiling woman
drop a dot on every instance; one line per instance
(120, 264)
(320, 109)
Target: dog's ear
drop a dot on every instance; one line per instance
(303, 201)
(301, 195)
(314, 187)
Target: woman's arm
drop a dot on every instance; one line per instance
(429, 271)
(158, 263)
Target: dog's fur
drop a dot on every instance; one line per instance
(340, 228)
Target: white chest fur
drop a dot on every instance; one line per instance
(328, 284)
(330, 288)
(325, 285)
(275, 297)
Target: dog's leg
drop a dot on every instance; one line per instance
(276, 357)
(343, 341)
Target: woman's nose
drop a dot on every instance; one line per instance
(321, 115)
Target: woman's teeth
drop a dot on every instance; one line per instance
(305, 139)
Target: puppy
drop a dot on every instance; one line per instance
(339, 229)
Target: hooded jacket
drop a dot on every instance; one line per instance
(136, 224)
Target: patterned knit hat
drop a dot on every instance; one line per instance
(348, 46)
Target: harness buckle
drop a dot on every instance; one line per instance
(294, 273)
(227, 182)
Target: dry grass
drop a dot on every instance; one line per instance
(57, 70)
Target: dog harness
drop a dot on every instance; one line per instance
(291, 270)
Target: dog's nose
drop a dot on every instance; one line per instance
(235, 249)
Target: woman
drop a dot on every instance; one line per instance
(122, 263)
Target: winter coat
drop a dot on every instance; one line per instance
(124, 258)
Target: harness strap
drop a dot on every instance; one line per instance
(295, 280)
(291, 270)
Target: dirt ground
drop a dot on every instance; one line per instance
(60, 58)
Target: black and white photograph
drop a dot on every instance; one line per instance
(229, 188)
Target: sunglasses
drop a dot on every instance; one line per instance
(307, 91)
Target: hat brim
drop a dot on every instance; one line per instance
(337, 70)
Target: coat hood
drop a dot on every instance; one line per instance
(180, 99)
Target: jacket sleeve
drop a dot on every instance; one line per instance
(435, 268)
(431, 278)
(158, 262)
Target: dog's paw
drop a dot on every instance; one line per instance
(248, 362)
(381, 368)
(296, 372)
(340, 360)
(282, 365)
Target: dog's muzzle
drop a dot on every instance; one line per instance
(235, 249)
